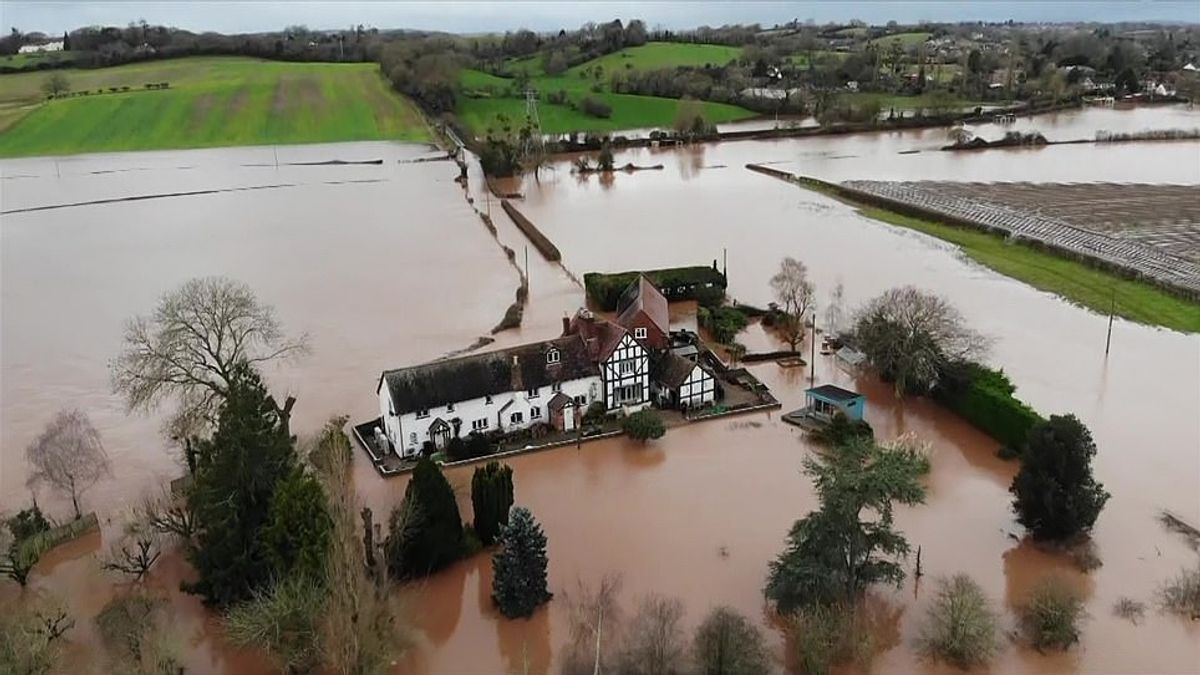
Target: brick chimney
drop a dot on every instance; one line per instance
(518, 382)
(566, 326)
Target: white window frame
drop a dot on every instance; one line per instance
(535, 413)
(516, 418)
(479, 424)
(449, 407)
(422, 413)
(639, 332)
(487, 400)
(534, 393)
(556, 387)
(553, 356)
(626, 366)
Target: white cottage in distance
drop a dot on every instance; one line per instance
(550, 382)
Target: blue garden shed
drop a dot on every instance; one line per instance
(827, 400)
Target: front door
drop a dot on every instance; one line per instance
(568, 413)
(441, 438)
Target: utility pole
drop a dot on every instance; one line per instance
(812, 360)
(1112, 309)
(526, 266)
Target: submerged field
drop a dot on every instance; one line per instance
(211, 101)
(485, 95)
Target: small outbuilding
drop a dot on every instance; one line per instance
(682, 383)
(827, 400)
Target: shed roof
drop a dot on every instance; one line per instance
(489, 373)
(643, 296)
(832, 392)
(673, 370)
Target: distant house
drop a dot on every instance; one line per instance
(852, 85)
(827, 400)
(550, 382)
(682, 383)
(643, 311)
(1191, 68)
(54, 46)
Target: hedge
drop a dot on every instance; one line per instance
(724, 323)
(703, 284)
(984, 398)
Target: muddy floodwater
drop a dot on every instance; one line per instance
(388, 265)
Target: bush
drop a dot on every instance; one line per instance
(727, 643)
(595, 107)
(491, 499)
(27, 523)
(841, 431)
(823, 636)
(644, 425)
(984, 398)
(474, 445)
(596, 412)
(724, 322)
(706, 285)
(960, 625)
(1129, 609)
(1055, 495)
(1050, 617)
(1182, 594)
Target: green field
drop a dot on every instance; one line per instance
(906, 40)
(918, 102)
(485, 96)
(212, 101)
(1082, 284)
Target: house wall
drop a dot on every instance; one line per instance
(655, 338)
(698, 390)
(636, 372)
(401, 428)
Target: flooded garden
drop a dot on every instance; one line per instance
(388, 265)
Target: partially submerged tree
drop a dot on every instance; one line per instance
(960, 625)
(519, 568)
(190, 347)
(68, 456)
(644, 425)
(910, 336)
(1050, 616)
(31, 638)
(654, 642)
(491, 499)
(794, 293)
(727, 643)
(283, 620)
(133, 631)
(136, 550)
(1055, 495)
(835, 552)
(594, 620)
(425, 531)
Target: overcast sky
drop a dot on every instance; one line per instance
(468, 17)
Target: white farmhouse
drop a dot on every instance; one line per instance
(551, 382)
(53, 46)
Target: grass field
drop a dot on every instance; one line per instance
(920, 101)
(906, 40)
(1082, 284)
(212, 101)
(486, 96)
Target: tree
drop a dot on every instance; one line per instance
(689, 118)
(1050, 616)
(425, 531)
(136, 550)
(555, 63)
(959, 135)
(726, 643)
(19, 557)
(27, 523)
(296, 537)
(960, 625)
(654, 642)
(794, 293)
(491, 499)
(835, 552)
(594, 618)
(238, 472)
(643, 425)
(911, 336)
(605, 161)
(519, 567)
(132, 631)
(835, 309)
(190, 348)
(284, 620)
(55, 84)
(31, 638)
(1054, 493)
(68, 456)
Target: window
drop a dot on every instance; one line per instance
(556, 387)
(449, 407)
(422, 414)
(580, 400)
(630, 392)
(533, 393)
(535, 413)
(487, 400)
(479, 424)
(412, 439)
(552, 356)
(516, 418)
(626, 366)
(639, 333)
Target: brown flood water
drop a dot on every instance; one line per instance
(368, 269)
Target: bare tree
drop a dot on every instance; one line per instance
(16, 558)
(68, 456)
(169, 514)
(654, 643)
(794, 293)
(835, 310)
(189, 347)
(137, 637)
(31, 638)
(136, 550)
(55, 84)
(595, 620)
(910, 336)
(727, 643)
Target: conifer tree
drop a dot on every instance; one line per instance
(1055, 495)
(426, 531)
(519, 567)
(491, 499)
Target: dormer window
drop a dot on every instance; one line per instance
(552, 356)
(639, 333)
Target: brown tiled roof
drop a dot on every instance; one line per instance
(642, 296)
(558, 401)
(463, 378)
(600, 335)
(672, 370)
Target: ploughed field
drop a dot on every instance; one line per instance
(210, 101)
(486, 95)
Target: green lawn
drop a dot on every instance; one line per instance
(920, 101)
(485, 95)
(1082, 284)
(905, 39)
(212, 101)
